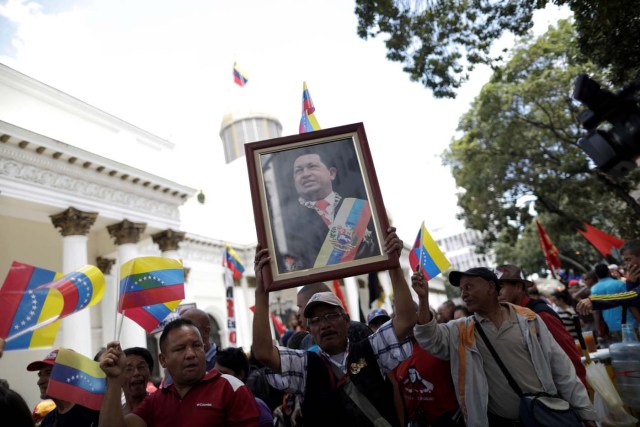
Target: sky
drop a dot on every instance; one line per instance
(166, 67)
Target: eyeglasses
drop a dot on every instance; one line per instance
(329, 317)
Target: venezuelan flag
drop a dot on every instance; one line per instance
(147, 281)
(238, 76)
(428, 255)
(308, 122)
(26, 304)
(233, 262)
(81, 288)
(78, 379)
(150, 316)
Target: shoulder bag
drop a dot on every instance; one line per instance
(539, 409)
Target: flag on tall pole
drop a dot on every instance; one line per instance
(428, 255)
(233, 263)
(308, 122)
(239, 77)
(551, 253)
(232, 268)
(606, 244)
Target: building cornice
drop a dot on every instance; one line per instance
(63, 101)
(37, 168)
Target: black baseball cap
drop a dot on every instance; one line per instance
(485, 273)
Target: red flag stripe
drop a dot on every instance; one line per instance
(152, 296)
(11, 293)
(75, 394)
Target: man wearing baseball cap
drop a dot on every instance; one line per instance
(343, 383)
(513, 289)
(377, 318)
(519, 337)
(65, 413)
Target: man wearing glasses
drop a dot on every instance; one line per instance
(344, 383)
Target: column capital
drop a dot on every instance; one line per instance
(168, 240)
(126, 231)
(74, 222)
(105, 264)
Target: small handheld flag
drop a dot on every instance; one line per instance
(308, 122)
(147, 281)
(78, 379)
(238, 76)
(426, 252)
(149, 317)
(26, 304)
(34, 299)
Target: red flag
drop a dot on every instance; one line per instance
(605, 243)
(278, 324)
(338, 291)
(548, 248)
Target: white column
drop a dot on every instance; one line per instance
(74, 226)
(108, 305)
(351, 286)
(76, 327)
(132, 334)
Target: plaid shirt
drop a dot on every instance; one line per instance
(388, 350)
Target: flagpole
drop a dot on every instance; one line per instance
(421, 246)
(118, 330)
(33, 328)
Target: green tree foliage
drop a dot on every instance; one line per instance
(519, 142)
(441, 41)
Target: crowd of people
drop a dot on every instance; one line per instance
(417, 366)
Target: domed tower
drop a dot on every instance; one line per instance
(238, 129)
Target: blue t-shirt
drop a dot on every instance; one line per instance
(608, 286)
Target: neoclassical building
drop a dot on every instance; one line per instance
(80, 186)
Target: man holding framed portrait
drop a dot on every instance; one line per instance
(318, 207)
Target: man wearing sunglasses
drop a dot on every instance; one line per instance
(344, 383)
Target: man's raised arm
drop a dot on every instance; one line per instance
(262, 347)
(421, 286)
(405, 312)
(112, 363)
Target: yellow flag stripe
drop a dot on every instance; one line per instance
(148, 264)
(78, 361)
(434, 251)
(45, 337)
(97, 279)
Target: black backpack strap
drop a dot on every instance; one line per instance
(494, 353)
(538, 306)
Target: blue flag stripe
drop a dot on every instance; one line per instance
(72, 376)
(169, 277)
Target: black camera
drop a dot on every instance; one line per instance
(616, 146)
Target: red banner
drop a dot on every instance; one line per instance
(548, 248)
(605, 243)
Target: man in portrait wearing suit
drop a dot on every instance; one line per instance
(322, 226)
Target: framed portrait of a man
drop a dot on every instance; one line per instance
(317, 206)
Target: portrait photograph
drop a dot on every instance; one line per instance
(317, 206)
